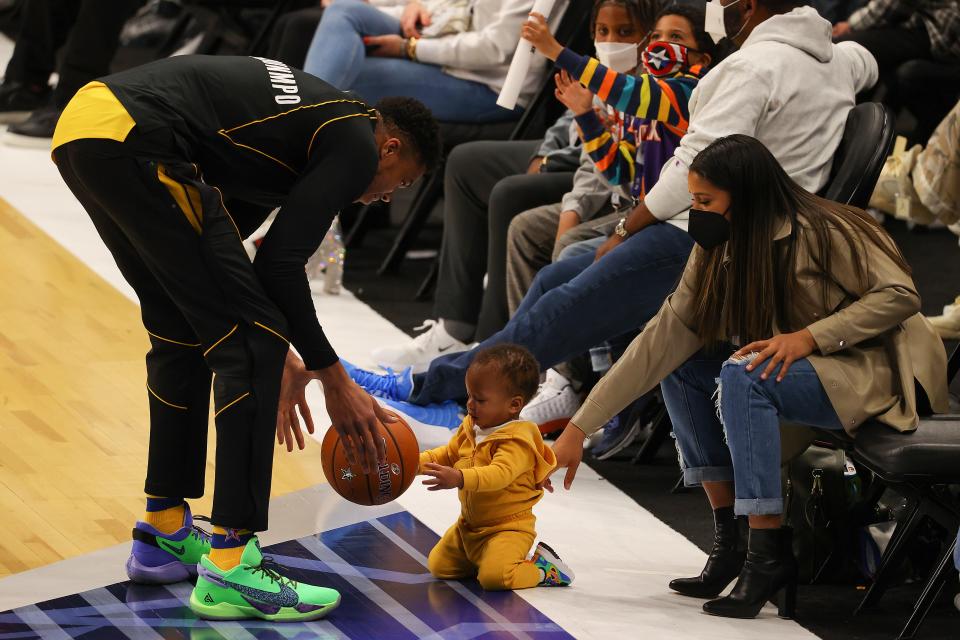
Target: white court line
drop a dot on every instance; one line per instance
(380, 597)
(41, 623)
(470, 596)
(100, 599)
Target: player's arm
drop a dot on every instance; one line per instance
(336, 177)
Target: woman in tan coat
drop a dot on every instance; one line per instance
(791, 308)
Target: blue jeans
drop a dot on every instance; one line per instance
(742, 444)
(337, 55)
(575, 304)
(579, 248)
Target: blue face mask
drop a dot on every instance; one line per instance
(708, 229)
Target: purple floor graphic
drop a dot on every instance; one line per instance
(379, 567)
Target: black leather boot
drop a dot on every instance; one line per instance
(770, 568)
(725, 560)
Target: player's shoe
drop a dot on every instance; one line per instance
(556, 573)
(389, 385)
(165, 558)
(255, 589)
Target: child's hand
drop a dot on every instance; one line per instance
(442, 477)
(536, 32)
(572, 94)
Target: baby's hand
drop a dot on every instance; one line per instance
(536, 32)
(442, 477)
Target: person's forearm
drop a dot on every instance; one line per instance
(334, 376)
(639, 219)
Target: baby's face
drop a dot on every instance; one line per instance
(489, 401)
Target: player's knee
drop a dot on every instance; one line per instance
(440, 566)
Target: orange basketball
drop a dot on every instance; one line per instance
(385, 483)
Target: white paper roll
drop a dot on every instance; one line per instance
(521, 61)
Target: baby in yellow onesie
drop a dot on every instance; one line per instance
(497, 463)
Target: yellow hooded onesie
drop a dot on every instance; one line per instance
(501, 469)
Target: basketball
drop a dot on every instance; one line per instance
(384, 484)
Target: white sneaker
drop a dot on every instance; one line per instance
(420, 351)
(554, 404)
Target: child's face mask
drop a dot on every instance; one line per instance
(665, 58)
(619, 56)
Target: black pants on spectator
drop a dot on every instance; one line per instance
(485, 187)
(89, 28)
(205, 312)
(292, 35)
(926, 87)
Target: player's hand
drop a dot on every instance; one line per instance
(841, 29)
(293, 386)
(356, 416)
(414, 16)
(572, 94)
(537, 32)
(389, 46)
(612, 243)
(784, 349)
(442, 477)
(569, 451)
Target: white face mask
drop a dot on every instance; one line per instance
(619, 56)
(713, 22)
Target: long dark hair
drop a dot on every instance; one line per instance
(643, 13)
(757, 288)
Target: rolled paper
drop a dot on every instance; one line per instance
(520, 65)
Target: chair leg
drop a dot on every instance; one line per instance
(901, 538)
(658, 435)
(427, 286)
(427, 195)
(930, 592)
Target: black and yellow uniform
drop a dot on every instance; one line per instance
(176, 162)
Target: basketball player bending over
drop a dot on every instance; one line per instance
(176, 162)
(498, 463)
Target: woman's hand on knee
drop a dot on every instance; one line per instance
(781, 350)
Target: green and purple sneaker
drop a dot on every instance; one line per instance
(254, 589)
(165, 558)
(555, 571)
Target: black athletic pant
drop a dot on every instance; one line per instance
(91, 31)
(486, 185)
(205, 312)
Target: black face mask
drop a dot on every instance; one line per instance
(708, 229)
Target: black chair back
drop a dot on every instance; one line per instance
(867, 139)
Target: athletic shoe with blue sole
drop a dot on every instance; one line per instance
(389, 385)
(448, 415)
(165, 558)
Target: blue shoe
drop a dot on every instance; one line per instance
(618, 434)
(389, 385)
(556, 573)
(448, 415)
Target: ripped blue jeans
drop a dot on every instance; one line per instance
(727, 423)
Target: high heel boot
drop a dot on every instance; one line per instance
(725, 560)
(770, 568)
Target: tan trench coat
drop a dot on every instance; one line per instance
(872, 343)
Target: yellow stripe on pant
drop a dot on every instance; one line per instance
(186, 196)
